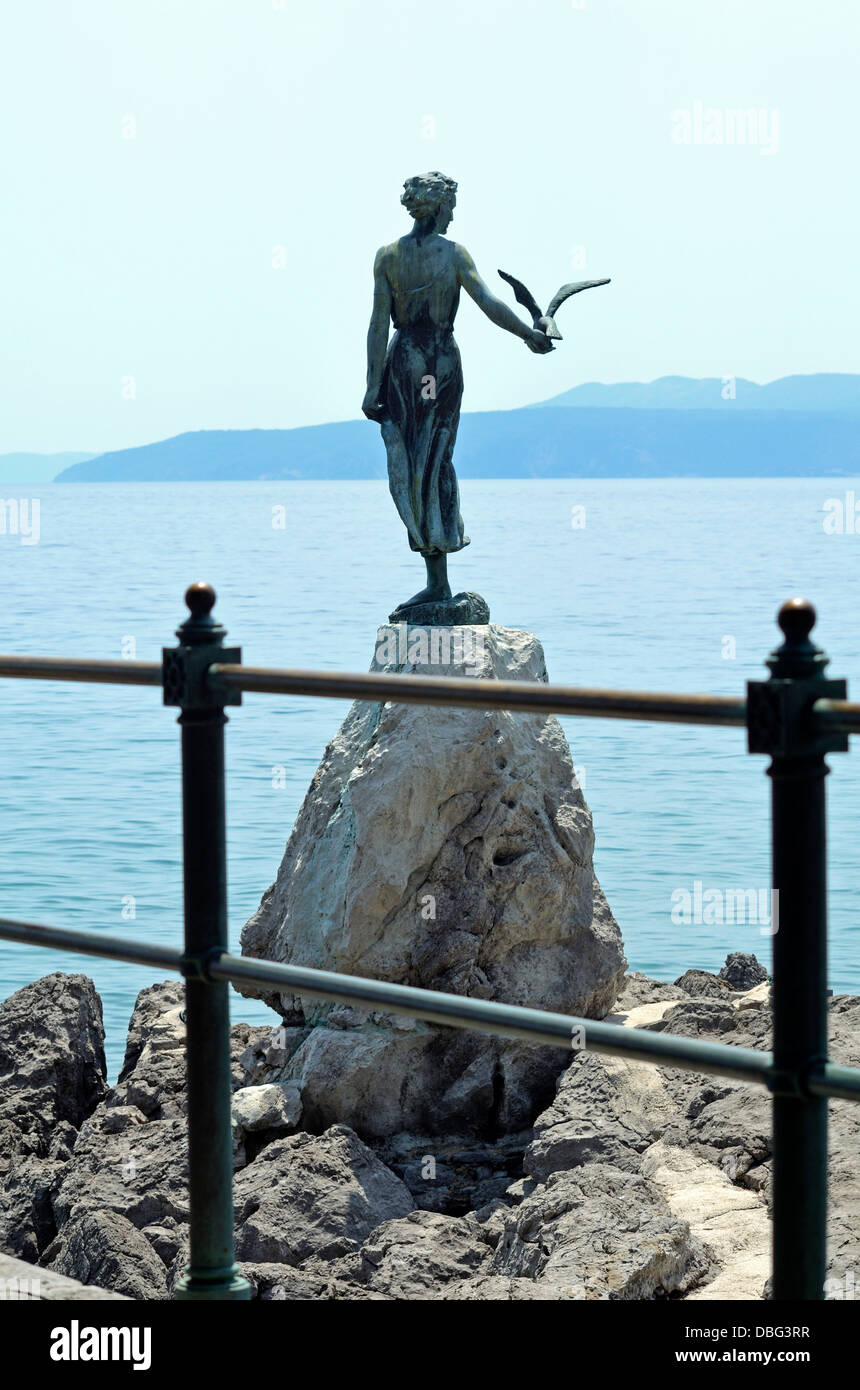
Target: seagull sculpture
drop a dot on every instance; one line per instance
(546, 321)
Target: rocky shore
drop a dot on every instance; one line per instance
(635, 1183)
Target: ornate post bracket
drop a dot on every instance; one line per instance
(201, 644)
(780, 718)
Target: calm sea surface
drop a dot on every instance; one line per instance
(669, 585)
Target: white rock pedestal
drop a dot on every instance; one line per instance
(448, 849)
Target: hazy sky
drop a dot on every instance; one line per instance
(193, 191)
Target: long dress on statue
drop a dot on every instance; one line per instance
(422, 386)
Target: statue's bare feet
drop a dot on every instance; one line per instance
(438, 589)
(434, 593)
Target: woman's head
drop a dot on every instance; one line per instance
(430, 195)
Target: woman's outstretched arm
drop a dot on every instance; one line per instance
(494, 308)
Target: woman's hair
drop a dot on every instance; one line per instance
(424, 193)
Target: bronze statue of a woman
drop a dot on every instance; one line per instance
(415, 383)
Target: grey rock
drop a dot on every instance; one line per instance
(448, 1175)
(451, 850)
(105, 1249)
(743, 971)
(270, 1107)
(155, 1018)
(523, 1187)
(52, 1062)
(310, 1196)
(496, 1288)
(698, 1018)
(342, 1281)
(740, 1122)
(268, 1052)
(415, 1256)
(757, 1179)
(27, 1223)
(121, 1119)
(731, 1124)
(140, 1173)
(843, 1273)
(492, 1220)
(640, 989)
(698, 984)
(20, 1280)
(237, 1137)
(153, 1077)
(669, 1125)
(600, 1233)
(382, 1079)
(605, 1111)
(62, 1141)
(166, 1240)
(279, 1283)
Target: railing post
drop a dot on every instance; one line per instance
(211, 1272)
(780, 722)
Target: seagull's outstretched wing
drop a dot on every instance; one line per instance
(523, 296)
(566, 291)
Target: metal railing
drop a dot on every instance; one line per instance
(796, 717)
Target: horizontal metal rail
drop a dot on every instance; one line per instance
(66, 668)
(521, 696)
(503, 1020)
(836, 716)
(839, 1083)
(90, 943)
(534, 1026)
(526, 697)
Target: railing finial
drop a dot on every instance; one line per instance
(201, 627)
(200, 598)
(796, 617)
(798, 657)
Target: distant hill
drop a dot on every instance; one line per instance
(828, 391)
(36, 468)
(347, 449)
(546, 441)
